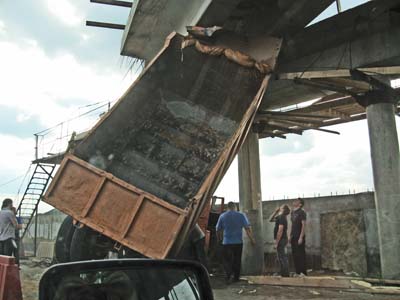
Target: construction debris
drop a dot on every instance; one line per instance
(233, 55)
(314, 292)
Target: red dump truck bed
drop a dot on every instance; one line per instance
(167, 143)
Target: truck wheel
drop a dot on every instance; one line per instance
(194, 247)
(63, 241)
(88, 244)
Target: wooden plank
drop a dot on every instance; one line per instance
(323, 282)
(282, 129)
(356, 85)
(270, 133)
(306, 126)
(385, 290)
(339, 113)
(380, 281)
(309, 281)
(336, 98)
(292, 113)
(290, 118)
(378, 290)
(322, 86)
(361, 116)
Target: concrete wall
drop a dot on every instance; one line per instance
(48, 225)
(362, 203)
(47, 229)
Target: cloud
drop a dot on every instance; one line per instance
(229, 187)
(52, 66)
(328, 164)
(292, 144)
(89, 45)
(2, 28)
(39, 85)
(13, 122)
(15, 156)
(65, 11)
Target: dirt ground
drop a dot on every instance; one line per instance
(30, 275)
(244, 291)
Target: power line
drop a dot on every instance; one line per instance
(11, 181)
(43, 132)
(23, 180)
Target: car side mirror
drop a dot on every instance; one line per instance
(126, 279)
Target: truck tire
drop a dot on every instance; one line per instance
(63, 241)
(194, 247)
(88, 244)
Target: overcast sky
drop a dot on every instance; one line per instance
(52, 67)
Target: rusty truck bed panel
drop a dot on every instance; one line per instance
(120, 211)
(179, 116)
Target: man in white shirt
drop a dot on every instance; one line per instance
(8, 225)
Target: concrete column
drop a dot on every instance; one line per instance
(386, 171)
(251, 204)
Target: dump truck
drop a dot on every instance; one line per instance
(143, 175)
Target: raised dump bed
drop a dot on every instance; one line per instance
(167, 141)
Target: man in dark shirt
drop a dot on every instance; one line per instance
(297, 236)
(280, 220)
(281, 239)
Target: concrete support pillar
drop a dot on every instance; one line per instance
(251, 204)
(386, 170)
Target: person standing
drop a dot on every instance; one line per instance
(298, 237)
(17, 237)
(8, 225)
(230, 226)
(281, 238)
